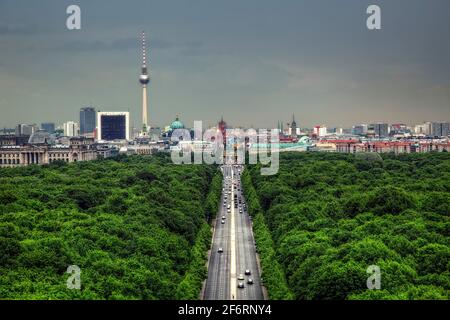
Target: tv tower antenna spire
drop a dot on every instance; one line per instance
(144, 79)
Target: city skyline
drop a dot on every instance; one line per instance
(316, 60)
(228, 157)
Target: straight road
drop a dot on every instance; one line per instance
(233, 235)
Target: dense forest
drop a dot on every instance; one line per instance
(324, 218)
(136, 227)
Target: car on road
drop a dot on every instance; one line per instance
(223, 217)
(220, 250)
(240, 276)
(250, 281)
(248, 272)
(229, 210)
(240, 210)
(223, 221)
(241, 285)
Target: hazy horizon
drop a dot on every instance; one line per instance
(254, 63)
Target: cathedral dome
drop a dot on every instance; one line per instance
(177, 124)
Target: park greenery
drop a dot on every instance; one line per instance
(272, 273)
(325, 218)
(136, 226)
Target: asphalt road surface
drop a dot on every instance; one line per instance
(235, 238)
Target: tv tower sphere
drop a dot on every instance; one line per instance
(144, 79)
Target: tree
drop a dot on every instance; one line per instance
(433, 258)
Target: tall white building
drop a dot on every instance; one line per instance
(71, 129)
(424, 128)
(320, 131)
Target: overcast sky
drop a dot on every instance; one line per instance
(253, 61)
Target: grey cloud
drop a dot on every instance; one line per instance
(193, 44)
(122, 44)
(192, 48)
(132, 43)
(314, 58)
(18, 29)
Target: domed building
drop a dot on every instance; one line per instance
(177, 124)
(40, 137)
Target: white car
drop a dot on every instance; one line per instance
(220, 250)
(241, 285)
(240, 276)
(248, 272)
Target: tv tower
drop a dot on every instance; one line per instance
(144, 79)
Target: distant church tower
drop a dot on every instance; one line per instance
(144, 79)
(223, 129)
(293, 128)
